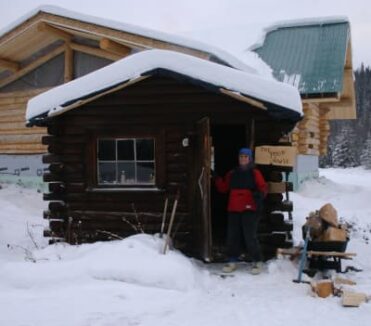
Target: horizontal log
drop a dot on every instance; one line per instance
(12, 112)
(121, 206)
(279, 187)
(55, 215)
(53, 196)
(52, 177)
(51, 158)
(285, 206)
(61, 149)
(274, 198)
(13, 125)
(273, 238)
(55, 206)
(23, 131)
(20, 139)
(21, 148)
(23, 94)
(276, 218)
(275, 176)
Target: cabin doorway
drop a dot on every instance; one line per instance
(226, 142)
(215, 148)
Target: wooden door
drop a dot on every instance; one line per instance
(202, 202)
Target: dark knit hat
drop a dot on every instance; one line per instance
(246, 151)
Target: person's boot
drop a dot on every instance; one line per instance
(229, 268)
(257, 268)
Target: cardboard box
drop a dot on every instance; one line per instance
(334, 234)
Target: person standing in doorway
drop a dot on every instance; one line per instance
(247, 188)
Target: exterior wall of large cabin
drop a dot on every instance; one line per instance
(310, 137)
(81, 212)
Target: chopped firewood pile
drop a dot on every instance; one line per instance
(324, 225)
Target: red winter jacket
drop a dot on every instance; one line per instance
(240, 186)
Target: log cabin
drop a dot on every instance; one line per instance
(124, 138)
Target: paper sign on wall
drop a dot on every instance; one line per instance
(275, 155)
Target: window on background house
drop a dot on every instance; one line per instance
(126, 161)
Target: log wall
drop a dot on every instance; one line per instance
(310, 135)
(15, 137)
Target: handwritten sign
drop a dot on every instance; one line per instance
(275, 155)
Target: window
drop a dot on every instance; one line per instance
(126, 161)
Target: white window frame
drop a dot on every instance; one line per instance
(135, 161)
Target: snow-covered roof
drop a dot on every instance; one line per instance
(136, 65)
(297, 23)
(222, 55)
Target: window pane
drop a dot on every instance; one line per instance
(145, 149)
(146, 172)
(107, 173)
(106, 150)
(126, 173)
(125, 150)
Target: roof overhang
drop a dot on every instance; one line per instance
(340, 106)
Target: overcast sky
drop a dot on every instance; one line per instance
(231, 24)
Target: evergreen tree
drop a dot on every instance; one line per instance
(343, 153)
(349, 136)
(366, 154)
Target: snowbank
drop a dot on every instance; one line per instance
(135, 260)
(132, 67)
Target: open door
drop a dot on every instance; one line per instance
(202, 171)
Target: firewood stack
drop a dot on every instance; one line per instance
(324, 225)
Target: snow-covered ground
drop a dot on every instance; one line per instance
(130, 283)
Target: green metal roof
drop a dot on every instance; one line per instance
(310, 56)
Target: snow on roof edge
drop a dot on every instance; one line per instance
(223, 55)
(327, 20)
(138, 64)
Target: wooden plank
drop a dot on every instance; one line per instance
(97, 52)
(243, 98)
(25, 94)
(12, 125)
(12, 118)
(20, 139)
(9, 65)
(279, 187)
(68, 63)
(114, 47)
(31, 66)
(23, 131)
(17, 112)
(58, 33)
(21, 148)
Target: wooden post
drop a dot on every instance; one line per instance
(68, 63)
(252, 134)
